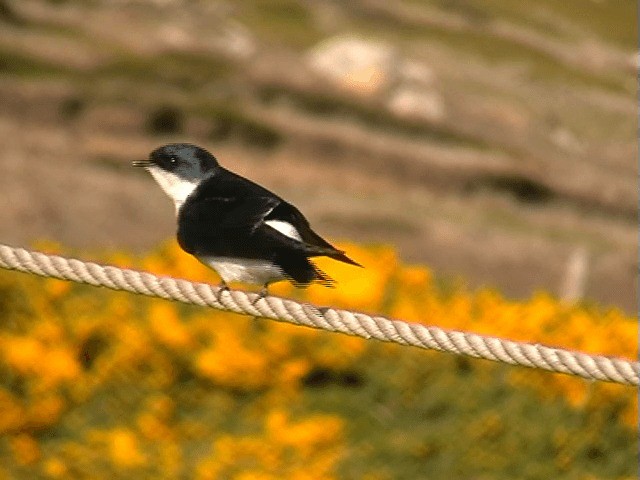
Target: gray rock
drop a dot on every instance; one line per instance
(359, 65)
(419, 103)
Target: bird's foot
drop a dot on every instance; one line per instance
(223, 287)
(264, 292)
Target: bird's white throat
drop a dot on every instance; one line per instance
(175, 186)
(179, 188)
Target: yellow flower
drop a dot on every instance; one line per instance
(292, 371)
(167, 327)
(60, 364)
(46, 410)
(629, 415)
(415, 277)
(23, 354)
(120, 306)
(55, 468)
(48, 331)
(306, 436)
(28, 356)
(25, 449)
(152, 422)
(121, 259)
(336, 351)
(12, 413)
(124, 449)
(308, 448)
(151, 427)
(57, 288)
(358, 288)
(171, 459)
(229, 362)
(48, 246)
(255, 475)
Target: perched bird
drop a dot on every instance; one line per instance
(243, 231)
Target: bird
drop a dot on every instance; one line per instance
(240, 229)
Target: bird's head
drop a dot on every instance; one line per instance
(179, 168)
(184, 160)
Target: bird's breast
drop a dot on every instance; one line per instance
(254, 271)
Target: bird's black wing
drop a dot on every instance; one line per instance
(225, 217)
(223, 226)
(313, 243)
(221, 214)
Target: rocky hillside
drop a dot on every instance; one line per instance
(491, 140)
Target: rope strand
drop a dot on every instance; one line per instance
(592, 367)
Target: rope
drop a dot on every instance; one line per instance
(592, 367)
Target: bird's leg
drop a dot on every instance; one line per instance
(222, 287)
(264, 292)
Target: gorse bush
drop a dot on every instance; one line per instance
(101, 384)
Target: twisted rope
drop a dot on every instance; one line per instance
(592, 367)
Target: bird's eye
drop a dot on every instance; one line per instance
(173, 159)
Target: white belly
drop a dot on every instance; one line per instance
(259, 272)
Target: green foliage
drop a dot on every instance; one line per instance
(431, 415)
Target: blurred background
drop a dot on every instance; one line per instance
(493, 141)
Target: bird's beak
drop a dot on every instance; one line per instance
(141, 163)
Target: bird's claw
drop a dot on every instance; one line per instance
(264, 292)
(223, 287)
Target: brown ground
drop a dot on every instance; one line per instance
(533, 161)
